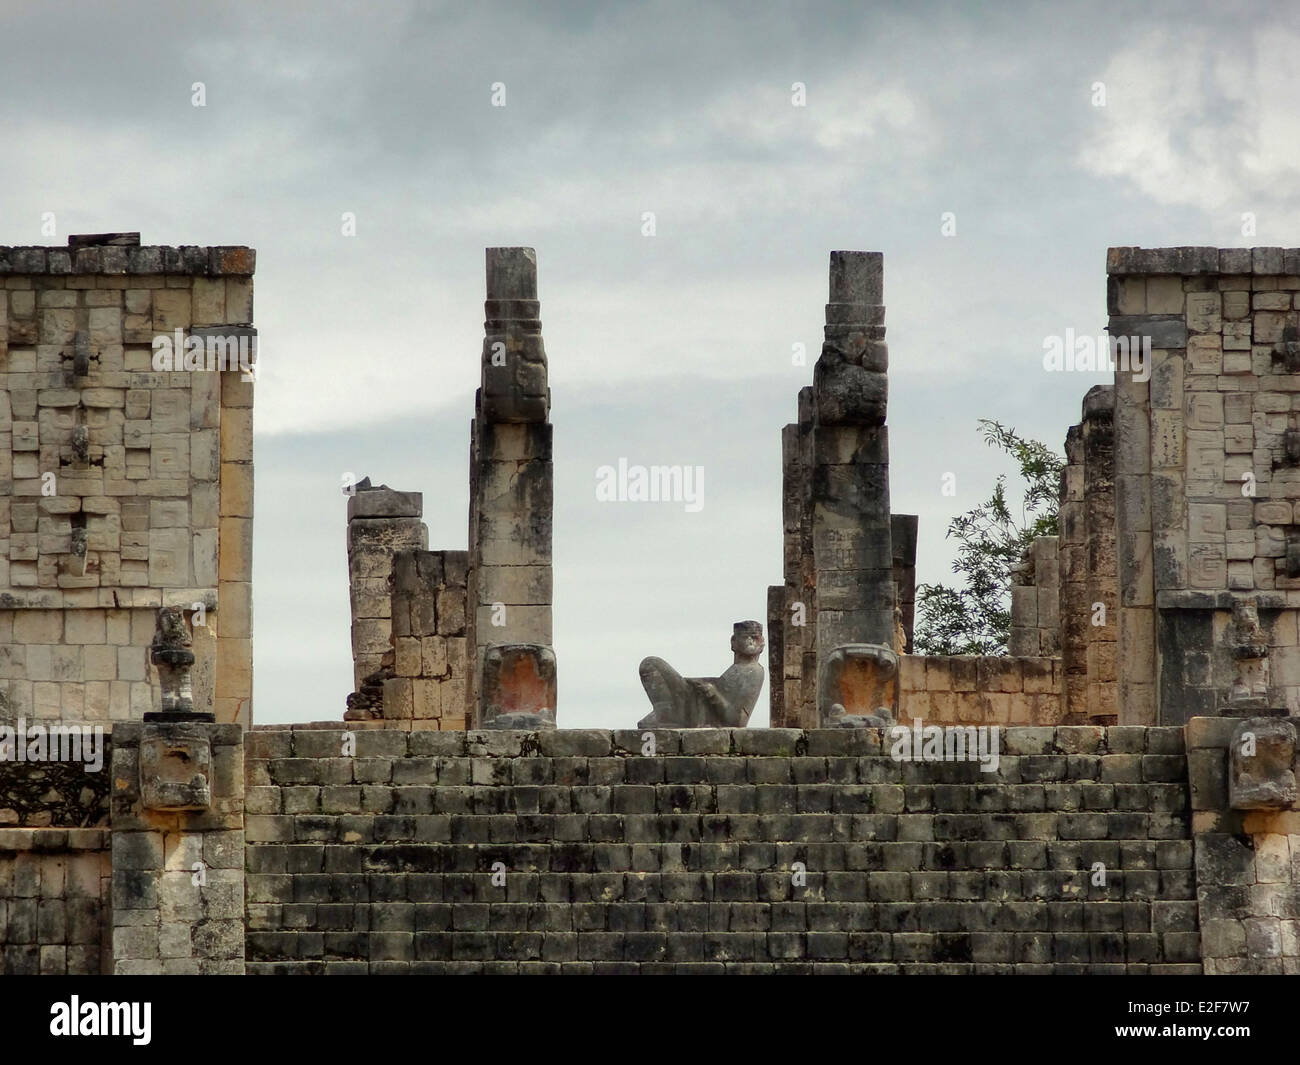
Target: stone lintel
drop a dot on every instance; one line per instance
(1167, 331)
(116, 240)
(384, 502)
(1187, 599)
(123, 258)
(1188, 261)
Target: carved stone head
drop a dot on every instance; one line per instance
(170, 629)
(747, 639)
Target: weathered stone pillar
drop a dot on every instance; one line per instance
(511, 478)
(1098, 432)
(778, 685)
(178, 848)
(852, 548)
(792, 606)
(903, 529)
(381, 522)
(1148, 445)
(429, 645)
(1073, 596)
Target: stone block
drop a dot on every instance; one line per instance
(383, 502)
(175, 768)
(1165, 330)
(1261, 760)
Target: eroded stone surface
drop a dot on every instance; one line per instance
(1261, 764)
(519, 681)
(514, 385)
(859, 687)
(175, 767)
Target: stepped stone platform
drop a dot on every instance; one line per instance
(724, 850)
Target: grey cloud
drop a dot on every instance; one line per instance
(371, 342)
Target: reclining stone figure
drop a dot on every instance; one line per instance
(707, 702)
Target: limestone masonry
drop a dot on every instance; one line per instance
(122, 489)
(1117, 794)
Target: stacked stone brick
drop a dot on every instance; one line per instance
(54, 902)
(178, 875)
(500, 591)
(1098, 443)
(430, 655)
(511, 473)
(974, 690)
(849, 565)
(381, 522)
(745, 851)
(1247, 862)
(1206, 470)
(1074, 598)
(122, 489)
(1035, 602)
(792, 606)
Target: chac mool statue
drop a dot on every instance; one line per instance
(707, 702)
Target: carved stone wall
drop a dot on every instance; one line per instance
(126, 473)
(430, 652)
(1207, 473)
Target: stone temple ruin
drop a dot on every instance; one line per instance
(455, 639)
(1116, 795)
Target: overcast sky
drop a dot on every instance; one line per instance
(674, 348)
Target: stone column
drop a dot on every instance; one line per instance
(852, 548)
(792, 606)
(1073, 598)
(903, 529)
(1047, 580)
(1023, 637)
(1138, 424)
(511, 479)
(1098, 432)
(381, 522)
(178, 848)
(777, 682)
